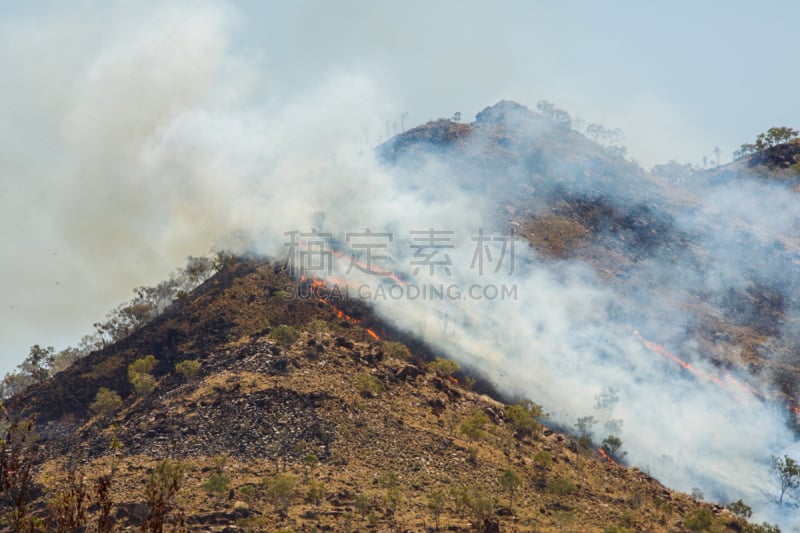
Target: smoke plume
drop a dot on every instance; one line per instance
(162, 141)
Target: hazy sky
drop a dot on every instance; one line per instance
(75, 128)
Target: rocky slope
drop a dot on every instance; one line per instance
(337, 409)
(350, 405)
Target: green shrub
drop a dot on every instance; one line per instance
(188, 369)
(700, 520)
(145, 365)
(317, 326)
(444, 367)
(543, 460)
(472, 455)
(368, 385)
(388, 479)
(562, 486)
(524, 417)
(217, 483)
(362, 505)
(627, 519)
(106, 402)
(397, 350)
(315, 493)
(461, 498)
(481, 506)
(285, 335)
(248, 493)
(143, 384)
(392, 498)
(139, 375)
(473, 426)
(510, 481)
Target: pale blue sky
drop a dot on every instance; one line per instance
(678, 77)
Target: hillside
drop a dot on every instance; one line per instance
(334, 408)
(688, 310)
(573, 200)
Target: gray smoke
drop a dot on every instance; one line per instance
(163, 143)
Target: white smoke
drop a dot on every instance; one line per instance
(163, 142)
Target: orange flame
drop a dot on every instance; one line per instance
(367, 268)
(321, 284)
(373, 334)
(657, 348)
(606, 456)
(454, 380)
(728, 379)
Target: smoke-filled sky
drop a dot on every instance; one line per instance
(134, 134)
(86, 84)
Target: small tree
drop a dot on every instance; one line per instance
(280, 489)
(388, 479)
(315, 493)
(198, 269)
(612, 445)
(543, 460)
(481, 506)
(768, 139)
(37, 364)
(188, 369)
(102, 497)
(106, 402)
(740, 509)
(510, 481)
(559, 116)
(310, 461)
(461, 498)
(17, 457)
(606, 401)
(392, 498)
(764, 527)
(69, 504)
(162, 486)
(697, 494)
(223, 261)
(584, 427)
(788, 472)
(436, 501)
